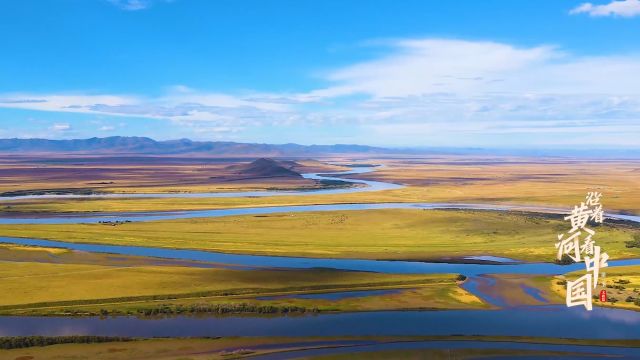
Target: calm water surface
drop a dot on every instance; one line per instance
(580, 352)
(544, 321)
(383, 266)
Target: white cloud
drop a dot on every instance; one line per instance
(63, 102)
(60, 127)
(439, 89)
(436, 80)
(179, 106)
(135, 5)
(437, 66)
(131, 5)
(623, 8)
(106, 128)
(181, 89)
(435, 89)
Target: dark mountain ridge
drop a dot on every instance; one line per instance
(264, 168)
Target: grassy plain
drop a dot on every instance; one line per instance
(139, 174)
(430, 294)
(560, 182)
(622, 286)
(553, 182)
(372, 234)
(235, 347)
(45, 288)
(19, 253)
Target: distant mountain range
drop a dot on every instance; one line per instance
(147, 146)
(119, 145)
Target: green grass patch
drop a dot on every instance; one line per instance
(396, 234)
(71, 289)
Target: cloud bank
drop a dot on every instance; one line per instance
(622, 8)
(420, 87)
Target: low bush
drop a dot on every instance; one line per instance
(17, 342)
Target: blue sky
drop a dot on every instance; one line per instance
(491, 73)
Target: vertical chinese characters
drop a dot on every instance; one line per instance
(579, 245)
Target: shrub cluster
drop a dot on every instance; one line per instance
(220, 309)
(224, 309)
(16, 342)
(635, 243)
(565, 260)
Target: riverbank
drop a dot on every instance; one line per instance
(223, 348)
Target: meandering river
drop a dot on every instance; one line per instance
(549, 321)
(262, 261)
(361, 186)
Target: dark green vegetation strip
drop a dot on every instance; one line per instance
(17, 342)
(243, 308)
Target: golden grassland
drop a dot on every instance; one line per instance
(423, 295)
(560, 183)
(135, 176)
(44, 288)
(546, 181)
(411, 234)
(28, 251)
(622, 286)
(239, 347)
(247, 185)
(19, 253)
